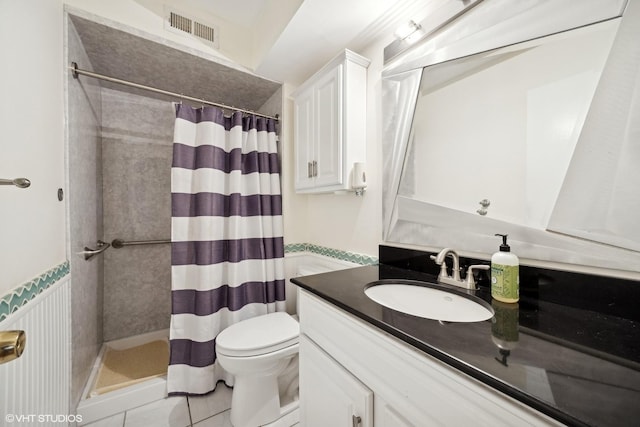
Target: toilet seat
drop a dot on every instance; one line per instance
(259, 335)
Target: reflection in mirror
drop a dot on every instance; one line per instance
(526, 140)
(502, 125)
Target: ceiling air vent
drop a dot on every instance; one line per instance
(179, 22)
(204, 32)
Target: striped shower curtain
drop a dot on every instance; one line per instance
(227, 250)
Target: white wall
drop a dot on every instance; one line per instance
(38, 382)
(294, 207)
(273, 20)
(32, 220)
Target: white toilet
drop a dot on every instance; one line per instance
(256, 351)
(261, 352)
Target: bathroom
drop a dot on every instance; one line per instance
(346, 227)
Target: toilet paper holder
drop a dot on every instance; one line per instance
(12, 345)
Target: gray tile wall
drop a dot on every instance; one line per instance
(137, 135)
(84, 197)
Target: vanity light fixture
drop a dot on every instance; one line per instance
(439, 16)
(409, 32)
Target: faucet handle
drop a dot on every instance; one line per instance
(471, 283)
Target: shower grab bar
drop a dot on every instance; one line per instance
(120, 243)
(90, 253)
(18, 182)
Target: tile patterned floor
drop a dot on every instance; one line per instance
(207, 411)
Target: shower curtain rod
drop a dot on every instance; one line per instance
(77, 71)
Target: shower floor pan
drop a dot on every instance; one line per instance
(94, 406)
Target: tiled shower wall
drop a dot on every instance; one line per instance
(119, 181)
(137, 133)
(84, 198)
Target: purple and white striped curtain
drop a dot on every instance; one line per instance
(227, 250)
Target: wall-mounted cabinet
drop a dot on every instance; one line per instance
(330, 124)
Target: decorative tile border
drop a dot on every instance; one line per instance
(332, 253)
(295, 247)
(21, 295)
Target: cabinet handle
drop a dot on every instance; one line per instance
(308, 169)
(355, 420)
(315, 168)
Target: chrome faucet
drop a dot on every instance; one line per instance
(444, 277)
(455, 279)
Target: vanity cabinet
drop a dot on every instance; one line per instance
(330, 124)
(409, 388)
(329, 385)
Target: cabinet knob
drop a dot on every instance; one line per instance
(355, 420)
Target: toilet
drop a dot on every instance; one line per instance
(257, 351)
(262, 354)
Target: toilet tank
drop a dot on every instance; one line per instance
(305, 264)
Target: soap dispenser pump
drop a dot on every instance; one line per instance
(505, 274)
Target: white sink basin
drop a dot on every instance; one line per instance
(422, 300)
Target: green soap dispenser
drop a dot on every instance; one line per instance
(505, 274)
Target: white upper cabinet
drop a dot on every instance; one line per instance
(330, 124)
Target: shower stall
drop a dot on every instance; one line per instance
(119, 151)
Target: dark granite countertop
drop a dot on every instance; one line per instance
(577, 365)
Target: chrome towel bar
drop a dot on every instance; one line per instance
(119, 243)
(18, 182)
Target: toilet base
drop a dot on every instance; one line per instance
(289, 415)
(263, 405)
(255, 401)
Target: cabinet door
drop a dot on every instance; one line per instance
(386, 416)
(329, 394)
(304, 138)
(329, 105)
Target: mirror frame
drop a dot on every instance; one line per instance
(490, 25)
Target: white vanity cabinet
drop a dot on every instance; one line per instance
(330, 124)
(409, 388)
(329, 385)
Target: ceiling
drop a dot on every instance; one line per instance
(154, 64)
(317, 30)
(240, 12)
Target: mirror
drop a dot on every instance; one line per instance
(499, 142)
(511, 138)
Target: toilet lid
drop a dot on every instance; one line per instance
(258, 335)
